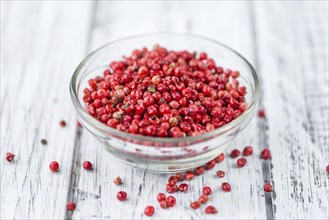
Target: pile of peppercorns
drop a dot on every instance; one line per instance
(165, 93)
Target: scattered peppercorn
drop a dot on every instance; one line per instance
(117, 181)
(235, 153)
(183, 187)
(247, 151)
(261, 113)
(220, 158)
(327, 168)
(161, 197)
(206, 190)
(266, 154)
(203, 199)
(87, 165)
(189, 175)
(62, 123)
(171, 201)
(43, 141)
(268, 187)
(54, 166)
(220, 173)
(9, 156)
(70, 206)
(199, 170)
(121, 195)
(210, 210)
(195, 205)
(241, 162)
(149, 210)
(226, 187)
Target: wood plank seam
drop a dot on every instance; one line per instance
(262, 124)
(74, 178)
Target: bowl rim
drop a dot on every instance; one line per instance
(107, 129)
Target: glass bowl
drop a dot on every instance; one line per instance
(164, 154)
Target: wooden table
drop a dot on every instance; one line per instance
(43, 42)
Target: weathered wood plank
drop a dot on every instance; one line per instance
(42, 42)
(95, 192)
(293, 62)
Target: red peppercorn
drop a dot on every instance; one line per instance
(235, 153)
(149, 210)
(121, 195)
(211, 164)
(199, 170)
(163, 204)
(189, 175)
(161, 197)
(206, 190)
(195, 205)
(247, 151)
(203, 199)
(171, 201)
(180, 176)
(268, 187)
(241, 162)
(171, 188)
(220, 173)
(87, 165)
(54, 166)
(327, 168)
(220, 158)
(117, 181)
(173, 180)
(210, 209)
(70, 206)
(226, 187)
(266, 154)
(9, 156)
(62, 123)
(261, 113)
(183, 187)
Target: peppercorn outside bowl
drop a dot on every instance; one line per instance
(164, 155)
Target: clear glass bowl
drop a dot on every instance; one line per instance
(164, 154)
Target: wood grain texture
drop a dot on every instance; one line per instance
(41, 45)
(95, 192)
(43, 42)
(293, 62)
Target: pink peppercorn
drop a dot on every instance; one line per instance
(70, 206)
(161, 197)
(210, 210)
(149, 210)
(235, 153)
(247, 151)
(87, 165)
(241, 162)
(10, 157)
(268, 187)
(226, 187)
(220, 158)
(54, 166)
(206, 190)
(195, 205)
(266, 154)
(220, 173)
(121, 195)
(183, 187)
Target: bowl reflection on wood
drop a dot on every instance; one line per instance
(164, 154)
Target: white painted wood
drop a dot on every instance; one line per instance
(41, 44)
(95, 192)
(293, 62)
